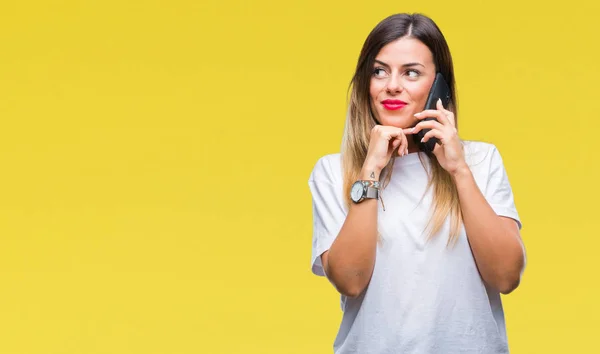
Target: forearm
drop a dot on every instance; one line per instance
(496, 247)
(351, 257)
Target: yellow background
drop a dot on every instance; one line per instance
(154, 160)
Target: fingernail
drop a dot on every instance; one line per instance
(417, 114)
(422, 139)
(440, 100)
(412, 130)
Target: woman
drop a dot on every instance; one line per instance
(419, 244)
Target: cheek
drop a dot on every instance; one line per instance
(375, 89)
(419, 91)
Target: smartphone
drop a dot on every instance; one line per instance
(439, 89)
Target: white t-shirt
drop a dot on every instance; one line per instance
(423, 297)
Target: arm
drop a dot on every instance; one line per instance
(495, 240)
(349, 262)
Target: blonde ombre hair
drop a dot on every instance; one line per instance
(361, 118)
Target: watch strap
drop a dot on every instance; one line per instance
(370, 183)
(372, 193)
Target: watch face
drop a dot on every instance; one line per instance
(357, 191)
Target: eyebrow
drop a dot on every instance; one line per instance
(404, 65)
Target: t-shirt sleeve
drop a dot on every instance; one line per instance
(328, 209)
(498, 191)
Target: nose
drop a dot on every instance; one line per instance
(393, 85)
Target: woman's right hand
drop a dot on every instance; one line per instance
(383, 142)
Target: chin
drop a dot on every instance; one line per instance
(398, 122)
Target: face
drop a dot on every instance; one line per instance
(402, 75)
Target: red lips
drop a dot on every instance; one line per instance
(393, 105)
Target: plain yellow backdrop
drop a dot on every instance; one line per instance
(154, 161)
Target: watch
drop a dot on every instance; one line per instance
(362, 190)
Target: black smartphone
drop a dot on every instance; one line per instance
(439, 89)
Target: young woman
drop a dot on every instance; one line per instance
(419, 244)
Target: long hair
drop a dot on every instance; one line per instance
(361, 118)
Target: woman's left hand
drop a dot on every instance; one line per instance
(450, 154)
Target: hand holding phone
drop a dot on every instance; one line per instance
(439, 90)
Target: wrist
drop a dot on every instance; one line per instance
(369, 173)
(461, 172)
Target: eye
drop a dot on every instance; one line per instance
(379, 72)
(412, 73)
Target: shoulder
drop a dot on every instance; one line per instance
(480, 153)
(328, 168)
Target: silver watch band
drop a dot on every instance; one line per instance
(372, 193)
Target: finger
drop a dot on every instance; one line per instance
(427, 124)
(439, 105)
(450, 116)
(428, 113)
(395, 143)
(441, 116)
(387, 133)
(407, 131)
(434, 133)
(403, 149)
(394, 132)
